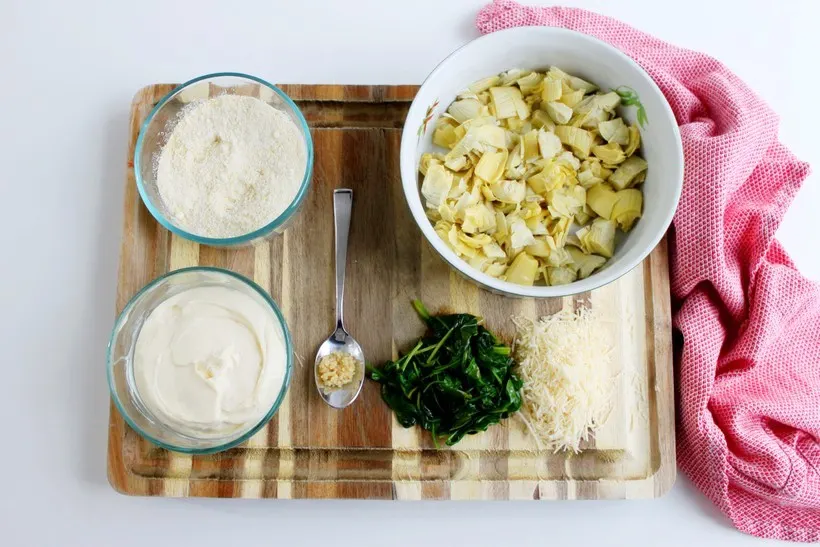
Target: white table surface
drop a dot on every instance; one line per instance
(69, 70)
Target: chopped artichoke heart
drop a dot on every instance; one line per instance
(462, 147)
(509, 191)
(541, 120)
(564, 202)
(475, 241)
(560, 276)
(462, 129)
(496, 269)
(582, 85)
(548, 144)
(598, 170)
(569, 161)
(513, 124)
(540, 248)
(428, 159)
(491, 166)
(585, 106)
(557, 74)
(436, 185)
(587, 179)
(573, 98)
(444, 135)
(559, 231)
(576, 138)
(559, 257)
(511, 76)
(549, 178)
(520, 234)
(551, 90)
(501, 224)
(558, 112)
(493, 250)
(601, 199)
(582, 217)
(489, 136)
(484, 84)
(585, 264)
(480, 262)
(458, 246)
(627, 171)
(609, 153)
(457, 163)
(614, 131)
(442, 228)
(505, 101)
(627, 208)
(465, 109)
(589, 120)
(478, 218)
(536, 225)
(523, 110)
(608, 101)
(445, 212)
(634, 140)
(523, 270)
(600, 239)
(466, 95)
(529, 142)
(459, 186)
(514, 169)
(572, 81)
(530, 83)
(487, 193)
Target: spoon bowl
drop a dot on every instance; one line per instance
(341, 342)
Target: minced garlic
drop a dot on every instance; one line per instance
(336, 370)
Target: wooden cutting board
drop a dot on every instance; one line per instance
(309, 450)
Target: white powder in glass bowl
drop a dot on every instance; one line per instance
(231, 165)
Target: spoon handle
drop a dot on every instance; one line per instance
(342, 207)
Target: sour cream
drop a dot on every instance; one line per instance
(210, 361)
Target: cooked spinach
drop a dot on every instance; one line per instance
(456, 380)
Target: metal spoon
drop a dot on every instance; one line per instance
(341, 341)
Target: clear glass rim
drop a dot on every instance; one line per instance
(241, 239)
(276, 404)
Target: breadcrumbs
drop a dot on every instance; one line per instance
(336, 370)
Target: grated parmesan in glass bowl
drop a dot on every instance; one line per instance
(224, 159)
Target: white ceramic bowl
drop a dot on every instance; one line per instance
(580, 55)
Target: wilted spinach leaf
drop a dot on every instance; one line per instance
(458, 380)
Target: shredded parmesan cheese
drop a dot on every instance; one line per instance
(564, 360)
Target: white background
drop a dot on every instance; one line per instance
(68, 71)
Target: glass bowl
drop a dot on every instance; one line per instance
(160, 122)
(121, 379)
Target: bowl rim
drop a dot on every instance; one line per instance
(259, 232)
(285, 381)
(606, 276)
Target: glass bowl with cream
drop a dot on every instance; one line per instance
(199, 360)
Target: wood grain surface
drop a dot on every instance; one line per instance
(309, 450)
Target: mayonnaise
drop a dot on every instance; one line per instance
(210, 360)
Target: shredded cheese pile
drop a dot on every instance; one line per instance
(564, 360)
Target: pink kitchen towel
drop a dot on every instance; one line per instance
(748, 361)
